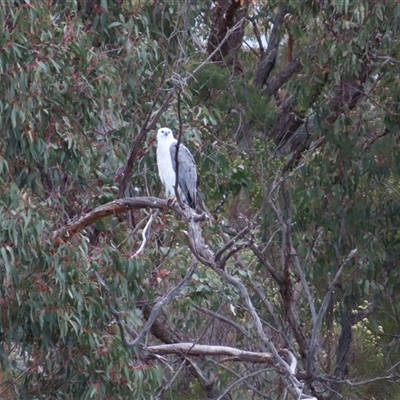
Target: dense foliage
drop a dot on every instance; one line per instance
(291, 111)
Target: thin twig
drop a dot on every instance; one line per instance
(144, 234)
(224, 319)
(234, 250)
(355, 384)
(239, 380)
(170, 382)
(303, 280)
(248, 385)
(176, 187)
(230, 243)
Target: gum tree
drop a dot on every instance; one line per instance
(285, 278)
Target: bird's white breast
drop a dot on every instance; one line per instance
(165, 169)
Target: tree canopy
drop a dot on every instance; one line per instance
(284, 283)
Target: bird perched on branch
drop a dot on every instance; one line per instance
(168, 163)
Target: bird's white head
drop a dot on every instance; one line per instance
(164, 135)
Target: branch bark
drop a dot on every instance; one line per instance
(275, 84)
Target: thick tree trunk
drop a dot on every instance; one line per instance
(291, 132)
(344, 345)
(268, 58)
(229, 15)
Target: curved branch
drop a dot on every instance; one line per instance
(144, 234)
(105, 210)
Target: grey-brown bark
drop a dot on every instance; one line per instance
(228, 14)
(268, 58)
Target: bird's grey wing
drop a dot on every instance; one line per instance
(187, 176)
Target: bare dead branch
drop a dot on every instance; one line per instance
(277, 276)
(123, 205)
(264, 299)
(394, 377)
(208, 350)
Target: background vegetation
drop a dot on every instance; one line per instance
(291, 111)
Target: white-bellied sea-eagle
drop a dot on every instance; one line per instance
(166, 162)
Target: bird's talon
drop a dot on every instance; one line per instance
(172, 201)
